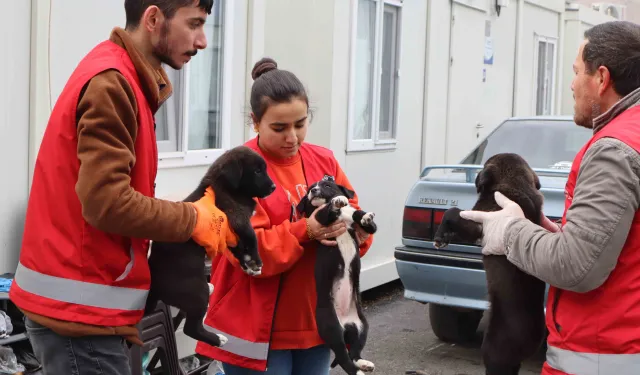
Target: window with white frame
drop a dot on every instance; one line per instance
(545, 75)
(375, 62)
(190, 121)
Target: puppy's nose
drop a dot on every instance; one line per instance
(315, 189)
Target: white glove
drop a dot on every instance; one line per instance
(495, 223)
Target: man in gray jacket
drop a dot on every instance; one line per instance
(592, 262)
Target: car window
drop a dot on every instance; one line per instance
(542, 143)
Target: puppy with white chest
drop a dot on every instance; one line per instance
(339, 316)
(178, 269)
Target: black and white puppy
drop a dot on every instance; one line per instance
(178, 269)
(339, 316)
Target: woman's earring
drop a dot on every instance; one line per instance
(255, 130)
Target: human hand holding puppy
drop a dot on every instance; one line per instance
(549, 225)
(212, 227)
(494, 224)
(316, 231)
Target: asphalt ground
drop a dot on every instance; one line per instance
(401, 340)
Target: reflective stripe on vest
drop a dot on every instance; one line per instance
(242, 347)
(80, 292)
(592, 363)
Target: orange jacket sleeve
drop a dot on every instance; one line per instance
(279, 246)
(341, 179)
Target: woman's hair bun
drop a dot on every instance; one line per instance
(266, 64)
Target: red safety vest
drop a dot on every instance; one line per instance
(69, 270)
(242, 307)
(598, 332)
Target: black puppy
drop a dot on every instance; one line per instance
(339, 316)
(516, 326)
(178, 269)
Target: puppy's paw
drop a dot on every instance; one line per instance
(444, 236)
(251, 266)
(255, 271)
(223, 339)
(367, 219)
(365, 365)
(210, 288)
(443, 239)
(340, 201)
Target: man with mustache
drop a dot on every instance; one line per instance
(592, 261)
(83, 275)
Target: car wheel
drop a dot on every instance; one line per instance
(454, 325)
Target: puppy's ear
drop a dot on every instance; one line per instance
(303, 205)
(232, 173)
(485, 179)
(536, 180)
(347, 193)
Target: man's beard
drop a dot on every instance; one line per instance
(162, 50)
(586, 119)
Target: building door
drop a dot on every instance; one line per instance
(465, 80)
(481, 73)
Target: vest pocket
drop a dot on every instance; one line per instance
(107, 259)
(129, 265)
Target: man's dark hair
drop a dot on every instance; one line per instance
(134, 9)
(616, 46)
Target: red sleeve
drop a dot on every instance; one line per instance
(279, 246)
(341, 179)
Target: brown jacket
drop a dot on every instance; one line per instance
(107, 129)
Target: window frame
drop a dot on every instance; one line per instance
(376, 141)
(536, 45)
(186, 157)
(171, 107)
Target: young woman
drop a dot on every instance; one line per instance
(269, 320)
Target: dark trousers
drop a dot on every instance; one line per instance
(90, 355)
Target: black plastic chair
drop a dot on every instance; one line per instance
(157, 331)
(158, 343)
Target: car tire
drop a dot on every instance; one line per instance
(454, 325)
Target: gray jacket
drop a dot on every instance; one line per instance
(606, 197)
